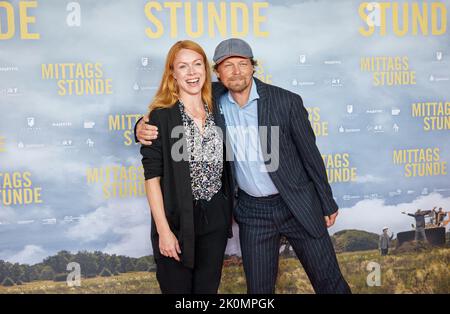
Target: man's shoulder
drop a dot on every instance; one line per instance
(218, 89)
(277, 90)
(216, 85)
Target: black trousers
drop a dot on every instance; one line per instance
(211, 236)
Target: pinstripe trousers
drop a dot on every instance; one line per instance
(262, 222)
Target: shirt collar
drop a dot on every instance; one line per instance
(253, 95)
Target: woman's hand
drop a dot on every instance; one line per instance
(168, 245)
(168, 242)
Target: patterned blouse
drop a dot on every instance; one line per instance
(205, 155)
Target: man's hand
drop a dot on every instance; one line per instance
(330, 220)
(145, 133)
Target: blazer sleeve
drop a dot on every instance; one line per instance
(305, 141)
(152, 156)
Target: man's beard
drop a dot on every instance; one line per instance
(237, 84)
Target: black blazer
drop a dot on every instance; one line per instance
(176, 183)
(301, 177)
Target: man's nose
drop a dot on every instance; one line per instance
(236, 69)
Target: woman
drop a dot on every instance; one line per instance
(187, 181)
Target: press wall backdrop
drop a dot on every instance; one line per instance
(76, 75)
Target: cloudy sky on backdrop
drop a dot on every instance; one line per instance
(113, 33)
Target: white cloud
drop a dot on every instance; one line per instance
(50, 164)
(373, 215)
(134, 242)
(127, 220)
(31, 254)
(7, 215)
(369, 179)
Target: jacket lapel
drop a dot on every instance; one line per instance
(184, 197)
(219, 119)
(263, 119)
(181, 168)
(218, 90)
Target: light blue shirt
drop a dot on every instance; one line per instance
(242, 132)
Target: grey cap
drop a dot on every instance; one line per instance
(233, 47)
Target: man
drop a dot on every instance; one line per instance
(284, 193)
(419, 216)
(434, 216)
(383, 244)
(440, 215)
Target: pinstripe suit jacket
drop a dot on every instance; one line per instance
(301, 177)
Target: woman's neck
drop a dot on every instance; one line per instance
(192, 101)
